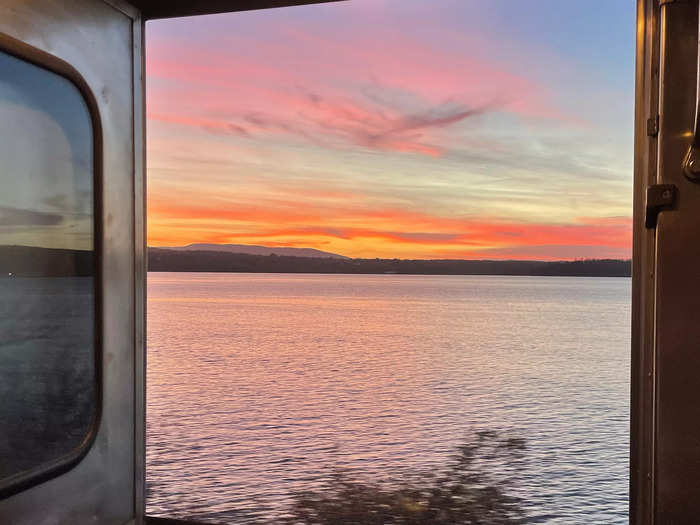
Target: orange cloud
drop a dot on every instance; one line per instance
(382, 232)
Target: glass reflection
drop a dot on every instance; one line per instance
(47, 279)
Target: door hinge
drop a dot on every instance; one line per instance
(660, 197)
(653, 126)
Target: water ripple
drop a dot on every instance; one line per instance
(260, 386)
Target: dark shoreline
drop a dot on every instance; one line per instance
(165, 260)
(26, 261)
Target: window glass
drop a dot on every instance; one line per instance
(48, 387)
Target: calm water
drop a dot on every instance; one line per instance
(262, 384)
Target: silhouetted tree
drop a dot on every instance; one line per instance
(164, 260)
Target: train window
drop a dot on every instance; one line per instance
(49, 373)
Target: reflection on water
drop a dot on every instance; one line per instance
(263, 386)
(463, 492)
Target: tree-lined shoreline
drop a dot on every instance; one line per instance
(166, 260)
(28, 261)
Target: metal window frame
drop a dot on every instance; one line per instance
(641, 497)
(664, 456)
(140, 261)
(47, 62)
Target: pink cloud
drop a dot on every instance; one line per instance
(213, 126)
(320, 119)
(390, 95)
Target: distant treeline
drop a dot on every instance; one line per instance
(164, 260)
(31, 261)
(45, 262)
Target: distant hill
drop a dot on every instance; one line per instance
(169, 260)
(256, 250)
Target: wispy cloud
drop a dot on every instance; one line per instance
(340, 123)
(210, 125)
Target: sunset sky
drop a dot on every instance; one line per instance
(396, 128)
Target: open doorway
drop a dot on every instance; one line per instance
(406, 143)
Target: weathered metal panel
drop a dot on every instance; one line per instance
(96, 39)
(677, 335)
